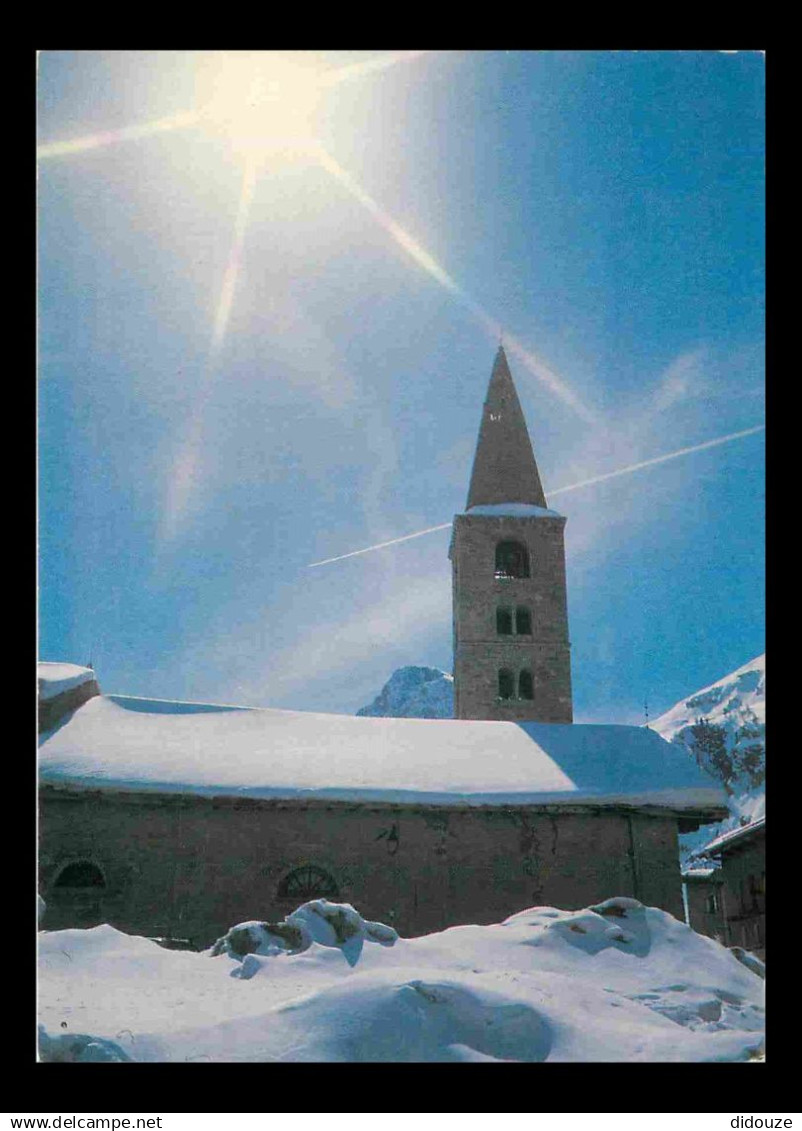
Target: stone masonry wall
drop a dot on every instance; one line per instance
(190, 866)
(479, 650)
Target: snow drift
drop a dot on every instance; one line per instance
(614, 982)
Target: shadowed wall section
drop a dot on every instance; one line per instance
(188, 866)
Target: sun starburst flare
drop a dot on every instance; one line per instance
(259, 99)
(265, 105)
(113, 137)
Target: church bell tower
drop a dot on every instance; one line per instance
(511, 651)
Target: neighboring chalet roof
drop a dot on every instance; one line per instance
(702, 875)
(120, 742)
(734, 838)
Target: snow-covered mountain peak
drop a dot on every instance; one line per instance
(723, 727)
(414, 693)
(731, 702)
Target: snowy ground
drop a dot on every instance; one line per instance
(621, 982)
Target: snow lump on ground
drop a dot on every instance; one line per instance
(614, 982)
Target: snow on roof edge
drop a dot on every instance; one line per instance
(55, 678)
(688, 801)
(732, 836)
(512, 510)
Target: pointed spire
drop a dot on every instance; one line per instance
(504, 468)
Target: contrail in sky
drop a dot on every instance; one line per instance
(561, 490)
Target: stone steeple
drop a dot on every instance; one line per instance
(512, 657)
(504, 468)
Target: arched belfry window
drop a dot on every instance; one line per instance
(514, 622)
(504, 622)
(506, 684)
(512, 560)
(523, 621)
(308, 882)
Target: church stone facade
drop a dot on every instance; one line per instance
(187, 866)
(510, 615)
(187, 862)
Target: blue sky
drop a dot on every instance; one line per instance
(270, 294)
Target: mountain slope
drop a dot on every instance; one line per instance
(729, 703)
(723, 727)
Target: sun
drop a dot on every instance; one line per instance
(264, 103)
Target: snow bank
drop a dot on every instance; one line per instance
(271, 753)
(614, 982)
(55, 678)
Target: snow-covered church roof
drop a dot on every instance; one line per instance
(54, 679)
(120, 742)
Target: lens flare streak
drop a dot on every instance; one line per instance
(369, 66)
(111, 137)
(235, 258)
(433, 268)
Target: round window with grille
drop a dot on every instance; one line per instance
(308, 882)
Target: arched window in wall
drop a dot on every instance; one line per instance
(523, 621)
(506, 684)
(512, 560)
(514, 622)
(525, 686)
(81, 875)
(308, 882)
(75, 896)
(504, 622)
